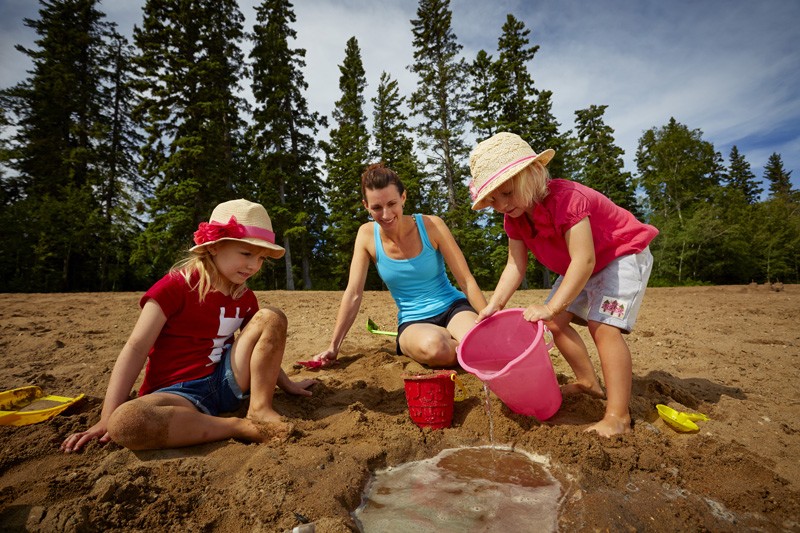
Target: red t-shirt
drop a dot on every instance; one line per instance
(192, 340)
(615, 231)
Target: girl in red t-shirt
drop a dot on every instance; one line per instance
(599, 250)
(196, 366)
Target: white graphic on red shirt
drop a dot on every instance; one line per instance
(227, 327)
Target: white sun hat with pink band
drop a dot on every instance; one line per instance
(496, 160)
(238, 220)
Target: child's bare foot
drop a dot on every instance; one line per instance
(612, 425)
(594, 390)
(266, 430)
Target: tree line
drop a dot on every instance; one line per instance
(113, 151)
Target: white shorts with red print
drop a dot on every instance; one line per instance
(614, 295)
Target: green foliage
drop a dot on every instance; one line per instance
(71, 151)
(678, 170)
(282, 148)
(741, 178)
(110, 154)
(190, 65)
(394, 144)
(599, 160)
(347, 154)
(484, 98)
(778, 178)
(440, 101)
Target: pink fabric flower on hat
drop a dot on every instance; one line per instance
(214, 231)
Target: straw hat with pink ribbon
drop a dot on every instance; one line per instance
(496, 160)
(238, 220)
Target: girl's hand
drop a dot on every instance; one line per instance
(537, 312)
(300, 388)
(327, 358)
(487, 311)
(76, 441)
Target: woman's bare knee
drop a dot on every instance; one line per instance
(436, 351)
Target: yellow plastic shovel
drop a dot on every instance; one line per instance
(29, 405)
(679, 420)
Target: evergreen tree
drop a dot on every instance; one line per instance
(393, 143)
(53, 217)
(600, 160)
(282, 139)
(780, 185)
(515, 86)
(483, 97)
(122, 190)
(440, 100)
(190, 65)
(346, 155)
(741, 178)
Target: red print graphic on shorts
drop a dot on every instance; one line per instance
(613, 307)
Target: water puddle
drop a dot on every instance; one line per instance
(464, 489)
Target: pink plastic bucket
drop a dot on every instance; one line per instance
(510, 355)
(430, 399)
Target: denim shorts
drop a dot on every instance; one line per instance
(442, 319)
(214, 394)
(614, 295)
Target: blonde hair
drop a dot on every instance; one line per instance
(201, 261)
(530, 183)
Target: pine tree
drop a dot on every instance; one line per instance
(282, 139)
(514, 83)
(780, 185)
(483, 97)
(190, 64)
(346, 155)
(54, 219)
(545, 134)
(121, 189)
(600, 160)
(393, 143)
(741, 178)
(440, 99)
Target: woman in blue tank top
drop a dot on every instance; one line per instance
(410, 253)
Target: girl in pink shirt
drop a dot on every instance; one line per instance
(599, 250)
(197, 365)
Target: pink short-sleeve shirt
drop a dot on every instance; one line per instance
(615, 231)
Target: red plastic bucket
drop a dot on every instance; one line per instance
(430, 399)
(510, 355)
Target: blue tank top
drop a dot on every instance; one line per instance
(420, 286)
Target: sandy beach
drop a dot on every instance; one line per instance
(730, 352)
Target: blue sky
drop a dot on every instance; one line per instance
(730, 68)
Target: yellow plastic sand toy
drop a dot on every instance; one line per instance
(29, 405)
(679, 420)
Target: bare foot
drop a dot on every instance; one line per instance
(266, 430)
(612, 425)
(572, 389)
